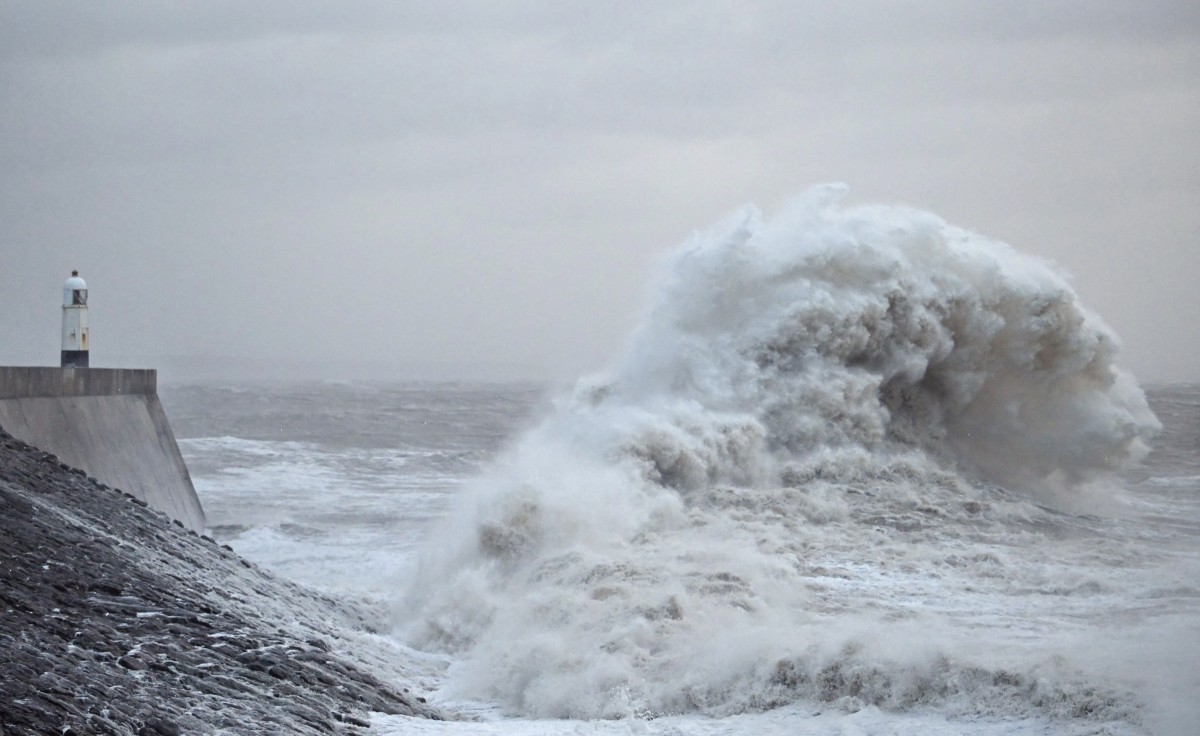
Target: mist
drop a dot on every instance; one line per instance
(473, 190)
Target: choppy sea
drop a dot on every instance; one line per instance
(338, 486)
(857, 472)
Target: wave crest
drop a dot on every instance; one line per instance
(873, 326)
(815, 435)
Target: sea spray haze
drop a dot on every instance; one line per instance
(831, 467)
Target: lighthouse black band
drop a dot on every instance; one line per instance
(74, 359)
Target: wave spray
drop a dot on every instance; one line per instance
(815, 475)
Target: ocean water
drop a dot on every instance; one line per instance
(336, 484)
(858, 471)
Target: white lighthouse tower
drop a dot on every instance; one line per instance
(75, 323)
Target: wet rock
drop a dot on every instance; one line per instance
(159, 727)
(117, 621)
(133, 663)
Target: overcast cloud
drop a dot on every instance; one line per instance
(482, 188)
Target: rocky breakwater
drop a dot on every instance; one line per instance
(114, 620)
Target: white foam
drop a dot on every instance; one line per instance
(342, 519)
(845, 718)
(811, 477)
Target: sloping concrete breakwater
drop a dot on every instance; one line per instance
(107, 422)
(116, 620)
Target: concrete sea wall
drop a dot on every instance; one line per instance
(107, 422)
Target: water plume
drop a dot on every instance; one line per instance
(825, 435)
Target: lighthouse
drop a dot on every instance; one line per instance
(75, 323)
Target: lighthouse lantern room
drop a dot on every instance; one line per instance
(75, 323)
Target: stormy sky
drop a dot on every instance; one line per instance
(451, 189)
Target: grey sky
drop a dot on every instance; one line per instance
(483, 187)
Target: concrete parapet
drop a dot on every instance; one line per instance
(107, 422)
(28, 383)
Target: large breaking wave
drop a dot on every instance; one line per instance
(814, 475)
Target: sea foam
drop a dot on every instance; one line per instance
(814, 475)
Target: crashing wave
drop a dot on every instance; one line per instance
(830, 424)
